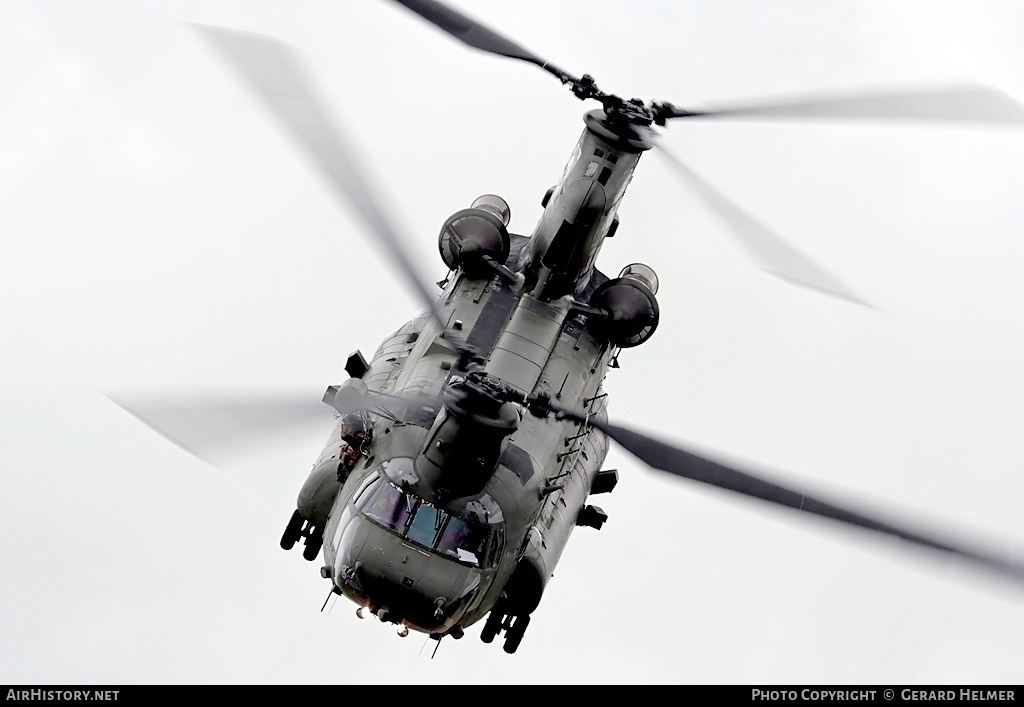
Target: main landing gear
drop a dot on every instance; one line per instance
(513, 626)
(298, 527)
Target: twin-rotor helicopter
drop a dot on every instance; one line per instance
(469, 446)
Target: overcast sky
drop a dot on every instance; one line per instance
(160, 234)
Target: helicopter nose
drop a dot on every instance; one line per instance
(400, 581)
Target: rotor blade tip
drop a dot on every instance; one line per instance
(836, 293)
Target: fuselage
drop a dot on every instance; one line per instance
(436, 564)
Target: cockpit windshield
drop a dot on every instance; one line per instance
(389, 507)
(464, 540)
(426, 526)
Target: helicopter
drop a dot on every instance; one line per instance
(474, 437)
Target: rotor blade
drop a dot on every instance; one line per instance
(207, 425)
(416, 408)
(665, 457)
(771, 252)
(273, 72)
(972, 104)
(476, 35)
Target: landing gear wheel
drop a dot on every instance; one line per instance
(293, 531)
(492, 626)
(314, 541)
(514, 635)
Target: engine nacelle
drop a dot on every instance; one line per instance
(470, 235)
(630, 306)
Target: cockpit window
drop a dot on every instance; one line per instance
(466, 541)
(389, 507)
(497, 545)
(366, 483)
(454, 534)
(463, 541)
(426, 526)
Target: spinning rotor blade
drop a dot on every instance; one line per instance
(772, 253)
(676, 461)
(273, 72)
(968, 104)
(476, 35)
(208, 425)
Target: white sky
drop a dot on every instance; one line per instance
(160, 234)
